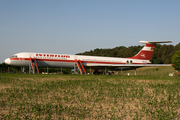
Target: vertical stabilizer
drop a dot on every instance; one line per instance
(146, 52)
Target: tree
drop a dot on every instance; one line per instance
(157, 61)
(176, 60)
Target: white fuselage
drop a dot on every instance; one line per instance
(68, 61)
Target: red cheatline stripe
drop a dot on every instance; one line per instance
(57, 60)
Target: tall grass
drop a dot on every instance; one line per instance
(89, 97)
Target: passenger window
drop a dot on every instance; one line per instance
(131, 62)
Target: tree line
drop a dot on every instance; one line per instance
(162, 53)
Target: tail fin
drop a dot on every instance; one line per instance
(146, 52)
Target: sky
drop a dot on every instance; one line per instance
(76, 26)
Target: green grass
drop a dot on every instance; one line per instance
(27, 96)
(152, 71)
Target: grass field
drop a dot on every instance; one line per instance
(158, 71)
(27, 96)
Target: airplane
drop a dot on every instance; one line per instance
(141, 59)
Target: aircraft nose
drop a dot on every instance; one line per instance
(7, 61)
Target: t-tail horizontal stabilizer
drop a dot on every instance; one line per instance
(154, 42)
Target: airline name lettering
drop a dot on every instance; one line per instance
(51, 55)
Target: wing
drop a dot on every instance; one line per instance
(126, 65)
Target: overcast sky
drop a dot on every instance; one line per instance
(76, 26)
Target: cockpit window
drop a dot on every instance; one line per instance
(14, 56)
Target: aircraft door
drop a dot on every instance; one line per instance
(75, 57)
(31, 55)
